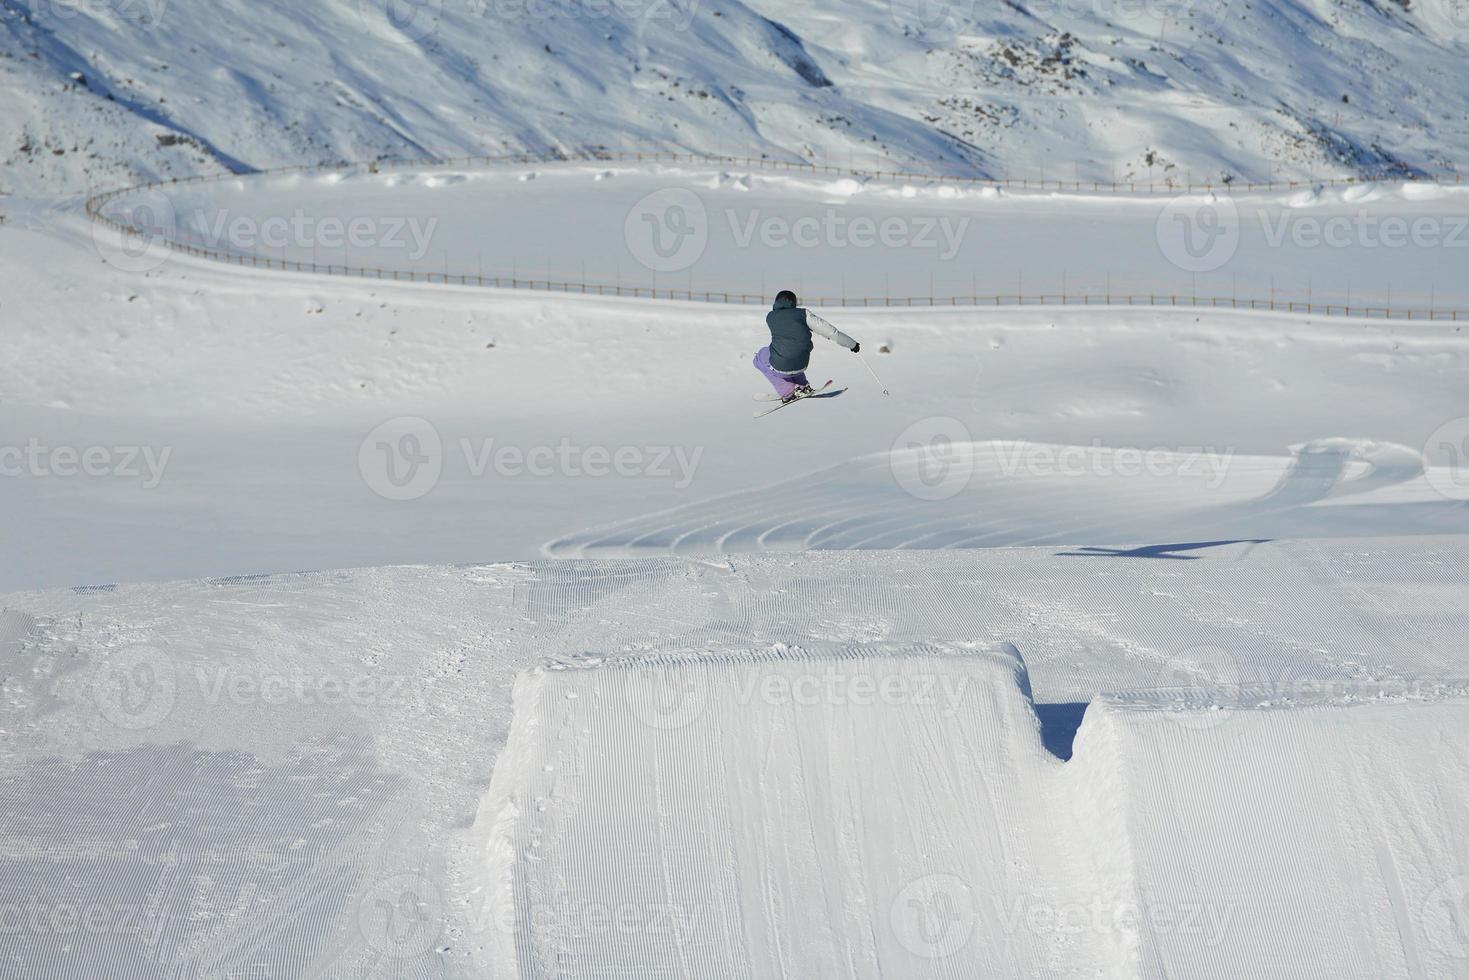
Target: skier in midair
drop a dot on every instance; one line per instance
(784, 361)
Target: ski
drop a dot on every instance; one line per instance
(818, 393)
(770, 396)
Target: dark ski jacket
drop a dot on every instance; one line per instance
(790, 336)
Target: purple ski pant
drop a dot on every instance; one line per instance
(783, 383)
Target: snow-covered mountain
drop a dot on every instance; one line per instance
(98, 92)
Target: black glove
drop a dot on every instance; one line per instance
(856, 348)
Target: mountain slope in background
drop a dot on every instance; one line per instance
(106, 91)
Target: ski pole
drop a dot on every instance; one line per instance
(873, 373)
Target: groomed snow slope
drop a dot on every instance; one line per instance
(1314, 840)
(892, 812)
(936, 489)
(100, 93)
(281, 773)
(836, 239)
(188, 375)
(783, 812)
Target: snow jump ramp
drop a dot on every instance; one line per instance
(892, 812)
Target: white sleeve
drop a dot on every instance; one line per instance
(820, 326)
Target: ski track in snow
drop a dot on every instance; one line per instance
(251, 827)
(455, 771)
(969, 495)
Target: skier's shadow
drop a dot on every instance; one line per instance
(1157, 550)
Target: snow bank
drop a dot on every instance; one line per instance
(1328, 840)
(777, 814)
(892, 811)
(933, 490)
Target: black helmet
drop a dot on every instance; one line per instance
(787, 295)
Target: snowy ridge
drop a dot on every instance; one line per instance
(103, 93)
(995, 494)
(752, 796)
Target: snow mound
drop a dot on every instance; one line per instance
(771, 814)
(933, 490)
(892, 811)
(1329, 840)
(279, 774)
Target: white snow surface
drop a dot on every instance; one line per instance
(101, 93)
(293, 773)
(186, 374)
(1114, 643)
(897, 815)
(846, 239)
